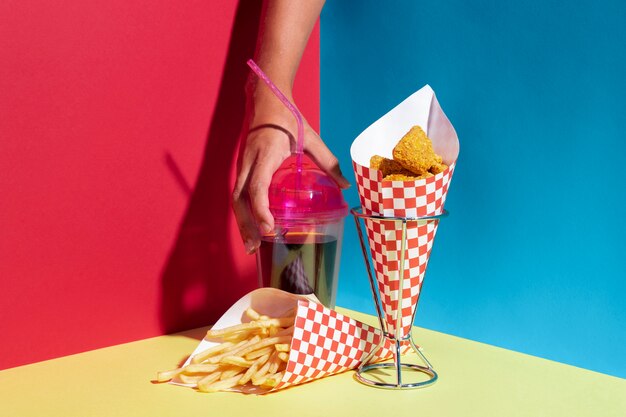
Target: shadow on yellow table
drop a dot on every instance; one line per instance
(475, 380)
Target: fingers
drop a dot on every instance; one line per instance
(325, 159)
(264, 152)
(241, 207)
(258, 189)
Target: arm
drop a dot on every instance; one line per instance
(283, 37)
(271, 127)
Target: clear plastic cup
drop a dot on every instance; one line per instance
(302, 254)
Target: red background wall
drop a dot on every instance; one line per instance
(118, 133)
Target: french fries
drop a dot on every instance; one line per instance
(254, 353)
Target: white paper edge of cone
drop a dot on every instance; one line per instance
(420, 108)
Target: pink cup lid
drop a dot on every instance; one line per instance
(310, 196)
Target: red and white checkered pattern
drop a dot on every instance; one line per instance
(385, 237)
(326, 343)
(401, 199)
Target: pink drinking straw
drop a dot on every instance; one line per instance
(291, 107)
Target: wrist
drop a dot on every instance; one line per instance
(259, 93)
(267, 108)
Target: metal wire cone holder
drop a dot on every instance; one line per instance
(396, 338)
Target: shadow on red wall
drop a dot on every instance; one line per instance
(199, 281)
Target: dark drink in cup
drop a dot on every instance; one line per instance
(301, 263)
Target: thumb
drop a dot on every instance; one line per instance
(324, 158)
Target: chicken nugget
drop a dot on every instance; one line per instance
(405, 177)
(437, 168)
(415, 151)
(375, 161)
(399, 177)
(388, 166)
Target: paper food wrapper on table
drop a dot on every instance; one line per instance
(418, 198)
(324, 341)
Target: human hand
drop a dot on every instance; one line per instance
(268, 142)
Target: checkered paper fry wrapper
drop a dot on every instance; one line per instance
(324, 341)
(419, 198)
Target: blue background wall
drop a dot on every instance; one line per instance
(532, 257)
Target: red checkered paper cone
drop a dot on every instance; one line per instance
(419, 198)
(324, 341)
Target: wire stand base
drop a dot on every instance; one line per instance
(398, 366)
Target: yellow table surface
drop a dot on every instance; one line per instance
(474, 380)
